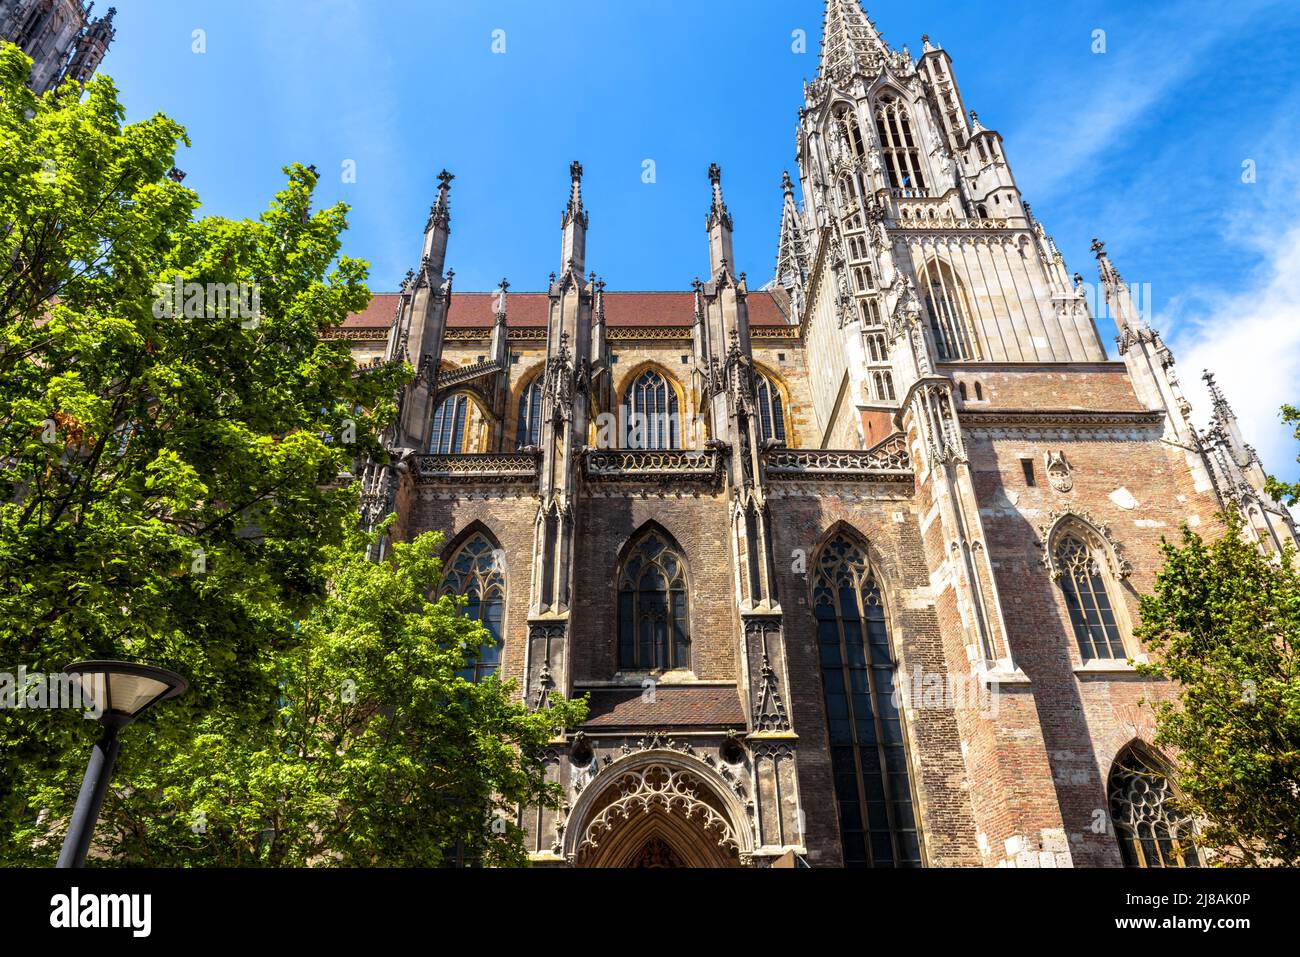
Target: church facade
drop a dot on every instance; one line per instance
(847, 564)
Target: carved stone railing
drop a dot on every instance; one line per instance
(887, 461)
(632, 465)
(478, 469)
(452, 377)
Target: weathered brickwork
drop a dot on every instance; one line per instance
(918, 407)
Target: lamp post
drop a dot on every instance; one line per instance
(122, 691)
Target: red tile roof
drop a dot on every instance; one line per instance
(528, 310)
(673, 706)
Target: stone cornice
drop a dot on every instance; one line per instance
(1059, 419)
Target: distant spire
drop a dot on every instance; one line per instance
(850, 41)
(792, 250)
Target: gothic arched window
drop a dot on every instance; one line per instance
(447, 436)
(650, 409)
(529, 431)
(852, 134)
(477, 571)
(653, 623)
(771, 413)
(868, 746)
(945, 299)
(1150, 830)
(1084, 578)
(902, 158)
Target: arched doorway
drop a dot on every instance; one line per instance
(658, 809)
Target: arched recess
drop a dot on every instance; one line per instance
(658, 795)
(949, 310)
(474, 566)
(461, 423)
(680, 425)
(866, 728)
(1084, 561)
(778, 397)
(1141, 794)
(652, 588)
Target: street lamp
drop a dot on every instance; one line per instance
(121, 691)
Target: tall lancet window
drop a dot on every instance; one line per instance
(868, 748)
(945, 300)
(771, 413)
(852, 133)
(653, 625)
(447, 436)
(898, 142)
(1085, 579)
(529, 431)
(477, 571)
(651, 414)
(1151, 831)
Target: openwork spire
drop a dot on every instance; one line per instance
(792, 251)
(850, 41)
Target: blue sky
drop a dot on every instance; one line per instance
(1142, 144)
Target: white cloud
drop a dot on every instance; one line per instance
(1075, 123)
(1250, 340)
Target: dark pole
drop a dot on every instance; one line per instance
(93, 788)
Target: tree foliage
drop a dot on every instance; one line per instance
(1224, 621)
(373, 751)
(169, 493)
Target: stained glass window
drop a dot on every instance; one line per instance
(868, 747)
(477, 571)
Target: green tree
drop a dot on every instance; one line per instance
(168, 465)
(1224, 622)
(373, 752)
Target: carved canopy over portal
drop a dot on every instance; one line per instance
(658, 795)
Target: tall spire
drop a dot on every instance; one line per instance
(792, 251)
(719, 226)
(1128, 320)
(850, 41)
(573, 255)
(438, 227)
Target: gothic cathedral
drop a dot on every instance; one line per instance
(847, 564)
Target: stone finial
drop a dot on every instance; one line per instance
(786, 184)
(976, 125)
(718, 211)
(574, 211)
(1222, 410)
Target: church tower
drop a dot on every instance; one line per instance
(62, 37)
